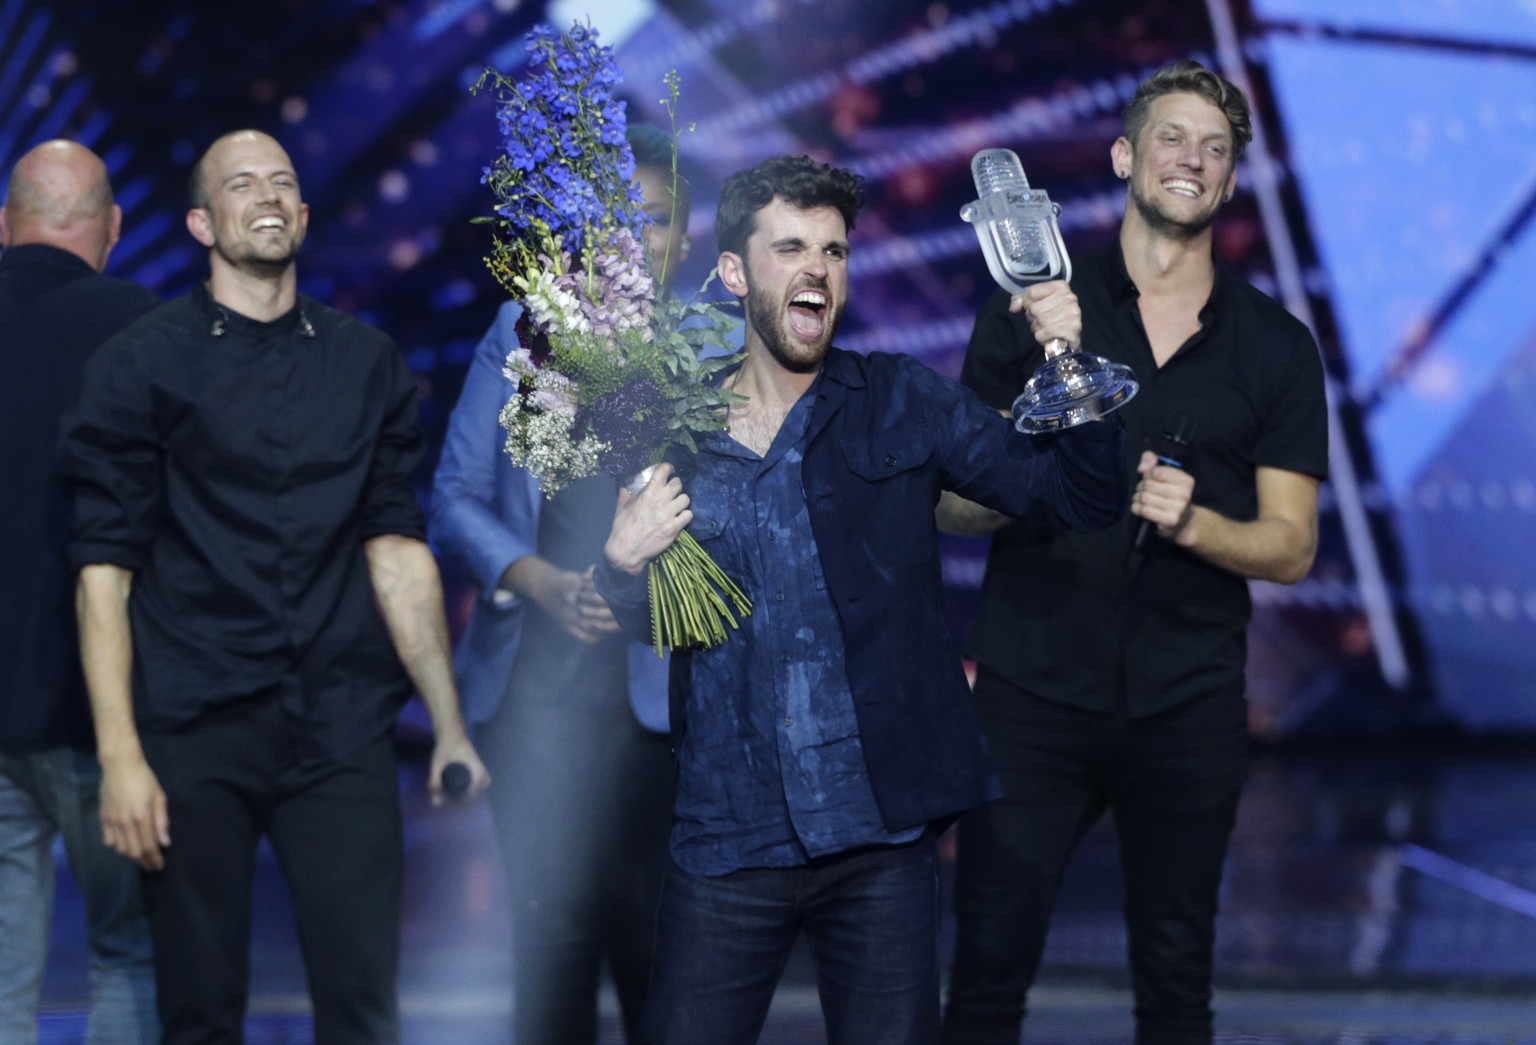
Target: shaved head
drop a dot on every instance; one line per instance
(59, 195)
(199, 185)
(247, 208)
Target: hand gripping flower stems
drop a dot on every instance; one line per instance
(679, 605)
(609, 376)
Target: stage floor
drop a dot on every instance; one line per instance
(1374, 894)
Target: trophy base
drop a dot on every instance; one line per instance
(1072, 389)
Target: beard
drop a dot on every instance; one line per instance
(264, 260)
(263, 255)
(1165, 224)
(766, 317)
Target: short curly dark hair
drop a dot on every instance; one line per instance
(798, 180)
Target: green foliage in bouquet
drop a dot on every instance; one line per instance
(607, 377)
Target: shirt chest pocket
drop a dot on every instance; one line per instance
(706, 528)
(715, 535)
(893, 493)
(890, 454)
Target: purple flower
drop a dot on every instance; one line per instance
(617, 292)
(532, 339)
(631, 420)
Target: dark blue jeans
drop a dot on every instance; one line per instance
(871, 916)
(1170, 780)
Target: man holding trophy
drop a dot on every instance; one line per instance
(1111, 665)
(822, 745)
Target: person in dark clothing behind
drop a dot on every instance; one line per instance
(819, 745)
(573, 715)
(256, 597)
(57, 227)
(1110, 666)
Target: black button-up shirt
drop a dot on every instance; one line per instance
(1067, 616)
(237, 468)
(54, 311)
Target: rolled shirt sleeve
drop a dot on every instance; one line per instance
(111, 459)
(389, 502)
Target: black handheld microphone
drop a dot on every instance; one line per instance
(1172, 448)
(455, 779)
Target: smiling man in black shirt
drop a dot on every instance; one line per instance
(241, 466)
(1110, 665)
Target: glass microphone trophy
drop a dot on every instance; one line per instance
(1022, 244)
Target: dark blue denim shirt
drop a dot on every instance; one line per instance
(886, 435)
(772, 771)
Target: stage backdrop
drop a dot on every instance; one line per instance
(1387, 200)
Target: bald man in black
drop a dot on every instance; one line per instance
(57, 226)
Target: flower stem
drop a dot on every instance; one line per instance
(688, 596)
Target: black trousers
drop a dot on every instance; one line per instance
(230, 778)
(1171, 781)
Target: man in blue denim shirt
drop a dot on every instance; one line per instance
(819, 743)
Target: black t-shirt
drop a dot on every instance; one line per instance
(1062, 615)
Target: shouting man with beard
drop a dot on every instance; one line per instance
(240, 464)
(823, 745)
(1125, 691)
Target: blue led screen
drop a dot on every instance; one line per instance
(1404, 141)
(1418, 195)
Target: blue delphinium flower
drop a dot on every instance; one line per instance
(606, 377)
(565, 164)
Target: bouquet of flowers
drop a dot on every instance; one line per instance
(608, 378)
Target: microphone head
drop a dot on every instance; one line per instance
(456, 779)
(1015, 224)
(1180, 429)
(998, 170)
